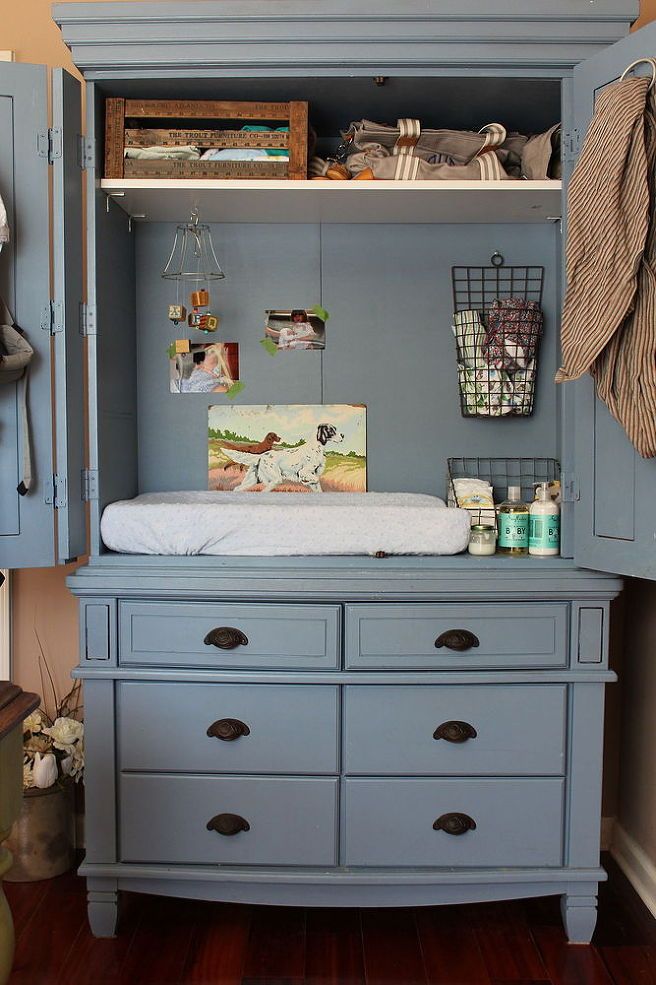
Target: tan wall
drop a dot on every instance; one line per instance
(42, 604)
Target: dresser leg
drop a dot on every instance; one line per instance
(579, 917)
(102, 907)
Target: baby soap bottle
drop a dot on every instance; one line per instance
(513, 524)
(544, 524)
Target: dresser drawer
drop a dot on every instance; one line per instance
(220, 634)
(443, 637)
(475, 729)
(390, 822)
(165, 818)
(255, 728)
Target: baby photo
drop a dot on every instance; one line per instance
(204, 368)
(296, 329)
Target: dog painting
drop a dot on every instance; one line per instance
(301, 448)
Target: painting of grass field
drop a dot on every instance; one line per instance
(253, 431)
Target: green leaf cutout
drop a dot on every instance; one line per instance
(235, 389)
(320, 312)
(270, 346)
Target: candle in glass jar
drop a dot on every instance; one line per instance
(482, 540)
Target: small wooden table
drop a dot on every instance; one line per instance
(15, 705)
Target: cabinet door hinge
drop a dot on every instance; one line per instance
(52, 317)
(571, 146)
(49, 144)
(89, 484)
(87, 319)
(56, 491)
(86, 151)
(569, 488)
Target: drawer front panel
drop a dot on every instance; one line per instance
(518, 729)
(390, 822)
(267, 636)
(404, 637)
(290, 821)
(255, 728)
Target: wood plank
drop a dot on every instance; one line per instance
(206, 109)
(508, 948)
(114, 127)
(148, 137)
(24, 898)
(159, 946)
(276, 947)
(44, 946)
(13, 713)
(450, 948)
(567, 964)
(100, 961)
(392, 952)
(217, 953)
(269, 170)
(630, 965)
(298, 140)
(333, 949)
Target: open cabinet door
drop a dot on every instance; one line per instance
(615, 521)
(29, 151)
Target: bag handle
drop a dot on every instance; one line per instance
(407, 165)
(495, 135)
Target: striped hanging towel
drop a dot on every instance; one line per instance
(609, 316)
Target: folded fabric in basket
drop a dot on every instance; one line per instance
(240, 154)
(514, 328)
(470, 335)
(485, 392)
(159, 153)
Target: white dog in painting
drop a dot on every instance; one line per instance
(305, 464)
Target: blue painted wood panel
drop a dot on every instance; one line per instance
(614, 527)
(291, 729)
(518, 730)
(292, 821)
(283, 636)
(390, 822)
(404, 637)
(26, 522)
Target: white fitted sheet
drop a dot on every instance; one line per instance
(284, 524)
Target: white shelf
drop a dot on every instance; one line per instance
(217, 200)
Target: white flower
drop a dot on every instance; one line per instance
(28, 776)
(45, 770)
(33, 723)
(65, 732)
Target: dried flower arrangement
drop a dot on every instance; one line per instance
(53, 746)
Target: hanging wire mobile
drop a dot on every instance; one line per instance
(193, 261)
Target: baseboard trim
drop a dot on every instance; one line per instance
(636, 866)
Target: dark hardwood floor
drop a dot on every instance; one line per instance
(170, 942)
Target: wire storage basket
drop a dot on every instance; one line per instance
(497, 323)
(500, 473)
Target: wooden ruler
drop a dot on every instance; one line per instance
(208, 109)
(205, 169)
(205, 138)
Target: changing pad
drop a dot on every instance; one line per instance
(284, 524)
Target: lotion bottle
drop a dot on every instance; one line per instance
(544, 524)
(513, 524)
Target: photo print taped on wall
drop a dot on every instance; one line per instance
(287, 448)
(211, 367)
(298, 328)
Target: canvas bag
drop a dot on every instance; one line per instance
(406, 152)
(15, 356)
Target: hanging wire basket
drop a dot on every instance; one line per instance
(192, 258)
(497, 324)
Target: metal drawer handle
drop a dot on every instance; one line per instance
(457, 639)
(228, 824)
(454, 731)
(454, 824)
(226, 638)
(228, 729)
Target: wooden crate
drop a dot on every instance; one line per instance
(134, 123)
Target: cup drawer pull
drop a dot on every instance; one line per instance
(454, 824)
(226, 638)
(457, 639)
(455, 731)
(228, 824)
(228, 729)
